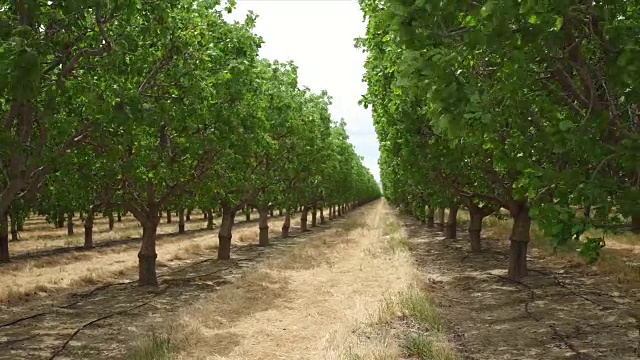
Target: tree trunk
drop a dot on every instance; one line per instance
(181, 221)
(88, 229)
(286, 225)
(303, 219)
(205, 214)
(69, 224)
(322, 219)
(119, 217)
(225, 234)
(339, 211)
(314, 217)
(519, 242)
(263, 225)
(188, 215)
(147, 255)
(452, 223)
(208, 215)
(440, 219)
(168, 216)
(247, 213)
(430, 214)
(59, 221)
(475, 228)
(112, 221)
(4, 238)
(279, 212)
(20, 223)
(635, 222)
(14, 227)
(271, 212)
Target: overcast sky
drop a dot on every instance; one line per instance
(318, 36)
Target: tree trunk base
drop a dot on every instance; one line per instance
(224, 247)
(263, 239)
(430, 222)
(88, 237)
(450, 232)
(147, 270)
(4, 248)
(474, 241)
(285, 232)
(517, 260)
(181, 229)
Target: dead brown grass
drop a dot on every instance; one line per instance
(307, 302)
(73, 271)
(620, 258)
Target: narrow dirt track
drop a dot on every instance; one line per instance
(103, 323)
(311, 308)
(555, 313)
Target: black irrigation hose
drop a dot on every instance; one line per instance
(87, 324)
(564, 339)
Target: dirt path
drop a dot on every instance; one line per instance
(314, 299)
(559, 312)
(102, 323)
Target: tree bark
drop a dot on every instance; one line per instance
(271, 212)
(635, 222)
(69, 224)
(208, 215)
(263, 225)
(168, 216)
(519, 239)
(4, 238)
(303, 218)
(339, 211)
(225, 233)
(181, 221)
(112, 221)
(188, 215)
(147, 255)
(247, 213)
(119, 217)
(59, 221)
(14, 221)
(475, 228)
(88, 229)
(430, 214)
(286, 225)
(452, 223)
(279, 212)
(322, 219)
(314, 217)
(440, 219)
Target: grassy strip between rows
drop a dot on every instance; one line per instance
(407, 325)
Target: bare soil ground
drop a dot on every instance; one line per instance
(103, 321)
(561, 311)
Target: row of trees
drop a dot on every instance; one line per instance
(145, 106)
(528, 106)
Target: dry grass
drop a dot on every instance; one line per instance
(303, 303)
(75, 270)
(620, 258)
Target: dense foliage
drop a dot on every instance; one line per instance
(528, 106)
(145, 106)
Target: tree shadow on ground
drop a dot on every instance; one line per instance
(558, 312)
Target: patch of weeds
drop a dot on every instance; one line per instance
(154, 347)
(397, 243)
(419, 307)
(353, 224)
(427, 347)
(391, 227)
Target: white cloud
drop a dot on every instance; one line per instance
(318, 36)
